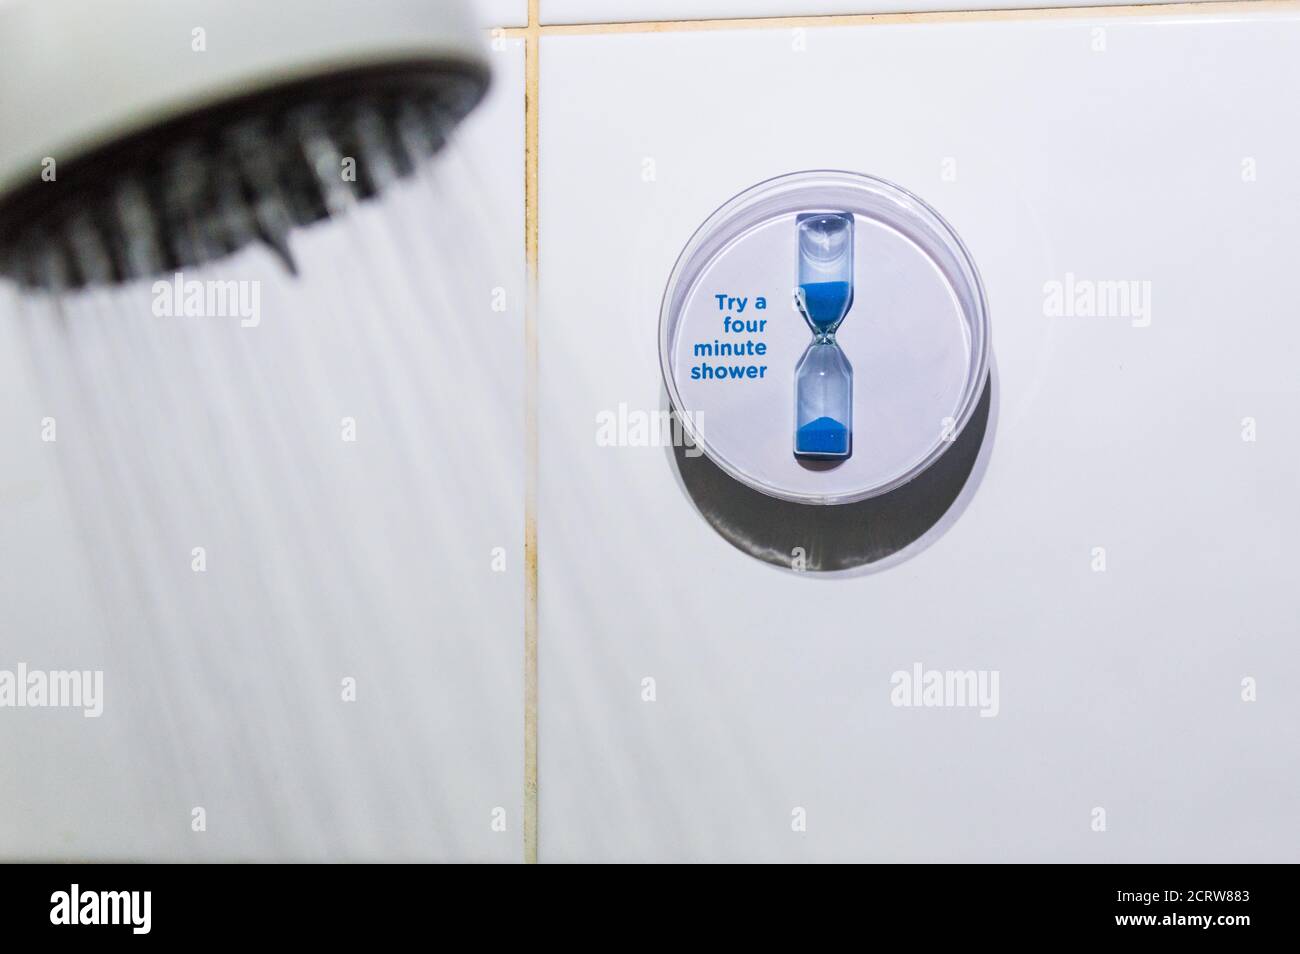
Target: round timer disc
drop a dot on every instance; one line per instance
(742, 329)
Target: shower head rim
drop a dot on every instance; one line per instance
(91, 73)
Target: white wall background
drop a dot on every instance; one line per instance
(1119, 690)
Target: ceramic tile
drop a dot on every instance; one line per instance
(1103, 150)
(502, 13)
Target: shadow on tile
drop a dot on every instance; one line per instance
(866, 536)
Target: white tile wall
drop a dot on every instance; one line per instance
(1112, 149)
(1118, 689)
(502, 13)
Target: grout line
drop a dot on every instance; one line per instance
(531, 50)
(930, 16)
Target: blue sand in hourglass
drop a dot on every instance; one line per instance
(825, 435)
(824, 377)
(823, 402)
(826, 303)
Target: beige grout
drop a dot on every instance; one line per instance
(532, 34)
(531, 50)
(1073, 11)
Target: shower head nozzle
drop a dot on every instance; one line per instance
(138, 137)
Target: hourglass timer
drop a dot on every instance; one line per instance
(823, 386)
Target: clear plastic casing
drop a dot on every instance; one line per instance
(882, 396)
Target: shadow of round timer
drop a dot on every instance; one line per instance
(922, 397)
(843, 537)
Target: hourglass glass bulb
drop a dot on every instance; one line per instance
(825, 269)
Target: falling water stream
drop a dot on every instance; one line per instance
(348, 466)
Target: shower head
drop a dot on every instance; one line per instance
(138, 137)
